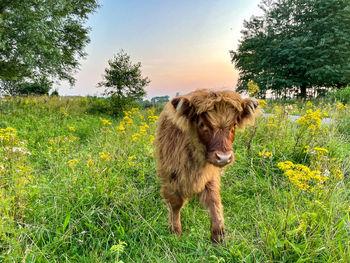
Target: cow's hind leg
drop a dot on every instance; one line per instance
(211, 199)
(176, 202)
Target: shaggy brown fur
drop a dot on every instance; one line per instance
(194, 142)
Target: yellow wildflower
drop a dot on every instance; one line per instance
(312, 119)
(272, 121)
(90, 162)
(339, 174)
(120, 127)
(309, 104)
(127, 120)
(301, 175)
(131, 160)
(152, 118)
(8, 137)
(106, 156)
(63, 112)
(262, 103)
(340, 106)
(71, 128)
(105, 121)
(265, 154)
(321, 150)
(72, 162)
(307, 149)
(253, 88)
(135, 137)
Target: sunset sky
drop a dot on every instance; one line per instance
(183, 45)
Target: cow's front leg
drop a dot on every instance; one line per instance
(211, 199)
(176, 202)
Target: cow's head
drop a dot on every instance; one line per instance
(215, 116)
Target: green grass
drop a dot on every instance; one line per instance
(111, 210)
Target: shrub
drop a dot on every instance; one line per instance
(112, 106)
(99, 105)
(55, 93)
(32, 88)
(342, 95)
(120, 104)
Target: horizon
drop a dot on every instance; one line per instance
(182, 45)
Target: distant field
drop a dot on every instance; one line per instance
(81, 187)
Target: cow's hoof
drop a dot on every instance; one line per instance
(217, 236)
(175, 230)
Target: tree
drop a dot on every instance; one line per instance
(296, 45)
(123, 79)
(41, 39)
(41, 87)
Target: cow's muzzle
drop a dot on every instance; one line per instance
(221, 159)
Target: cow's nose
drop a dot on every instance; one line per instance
(223, 158)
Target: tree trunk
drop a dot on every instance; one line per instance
(303, 91)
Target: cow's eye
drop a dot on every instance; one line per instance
(201, 125)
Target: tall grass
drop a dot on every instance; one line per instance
(79, 187)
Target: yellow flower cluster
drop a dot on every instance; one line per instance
(340, 106)
(63, 139)
(319, 160)
(279, 110)
(321, 150)
(106, 156)
(265, 154)
(8, 137)
(127, 120)
(63, 112)
(253, 88)
(105, 121)
(142, 133)
(71, 128)
(131, 160)
(90, 162)
(272, 121)
(72, 162)
(301, 175)
(312, 120)
(262, 103)
(151, 117)
(309, 104)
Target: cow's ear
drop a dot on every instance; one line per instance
(250, 108)
(182, 106)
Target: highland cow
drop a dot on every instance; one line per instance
(194, 143)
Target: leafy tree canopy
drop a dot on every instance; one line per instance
(296, 45)
(123, 79)
(42, 38)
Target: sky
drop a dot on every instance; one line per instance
(183, 45)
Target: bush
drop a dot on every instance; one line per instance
(55, 93)
(120, 104)
(99, 105)
(32, 88)
(113, 105)
(342, 95)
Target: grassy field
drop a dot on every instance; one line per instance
(80, 187)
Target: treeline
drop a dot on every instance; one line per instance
(41, 41)
(296, 48)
